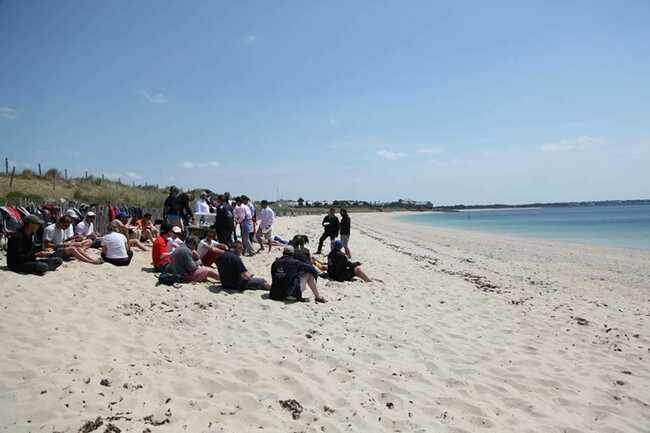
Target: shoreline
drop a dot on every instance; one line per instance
(458, 332)
(511, 236)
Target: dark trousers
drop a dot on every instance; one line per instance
(324, 236)
(225, 237)
(40, 266)
(119, 262)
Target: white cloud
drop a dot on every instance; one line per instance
(390, 155)
(431, 150)
(8, 113)
(156, 98)
(133, 175)
(250, 39)
(579, 143)
(200, 164)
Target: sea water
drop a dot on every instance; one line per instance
(625, 226)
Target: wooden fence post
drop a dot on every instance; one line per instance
(39, 170)
(54, 182)
(11, 181)
(66, 174)
(7, 166)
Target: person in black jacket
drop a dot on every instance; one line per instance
(23, 257)
(224, 221)
(340, 268)
(331, 226)
(345, 231)
(290, 277)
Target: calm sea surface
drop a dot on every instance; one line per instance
(626, 226)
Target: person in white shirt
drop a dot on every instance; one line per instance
(201, 205)
(115, 246)
(264, 231)
(57, 237)
(209, 249)
(86, 227)
(174, 241)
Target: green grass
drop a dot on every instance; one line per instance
(91, 190)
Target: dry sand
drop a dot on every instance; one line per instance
(465, 332)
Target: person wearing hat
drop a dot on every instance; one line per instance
(24, 257)
(85, 229)
(290, 278)
(340, 268)
(174, 240)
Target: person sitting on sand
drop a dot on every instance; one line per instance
(85, 229)
(148, 230)
(264, 231)
(160, 257)
(331, 230)
(233, 273)
(302, 253)
(340, 268)
(209, 249)
(174, 240)
(115, 246)
(23, 256)
(185, 263)
(290, 277)
(56, 237)
(129, 233)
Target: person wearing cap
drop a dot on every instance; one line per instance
(115, 247)
(174, 240)
(233, 273)
(24, 257)
(57, 237)
(85, 229)
(340, 268)
(290, 278)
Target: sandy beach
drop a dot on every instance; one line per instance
(461, 332)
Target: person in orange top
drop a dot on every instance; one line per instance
(147, 229)
(159, 254)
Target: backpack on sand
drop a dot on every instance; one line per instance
(169, 279)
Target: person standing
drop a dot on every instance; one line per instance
(224, 221)
(331, 230)
(23, 256)
(345, 231)
(173, 208)
(264, 231)
(201, 205)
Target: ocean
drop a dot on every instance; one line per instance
(624, 226)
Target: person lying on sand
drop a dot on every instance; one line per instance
(57, 237)
(290, 277)
(340, 268)
(22, 255)
(185, 263)
(233, 273)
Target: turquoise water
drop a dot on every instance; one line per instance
(625, 226)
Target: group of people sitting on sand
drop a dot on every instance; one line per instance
(178, 256)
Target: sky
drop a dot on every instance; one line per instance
(452, 102)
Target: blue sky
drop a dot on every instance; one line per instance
(453, 102)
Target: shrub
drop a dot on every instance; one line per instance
(27, 173)
(53, 172)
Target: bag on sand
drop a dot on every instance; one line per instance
(169, 279)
